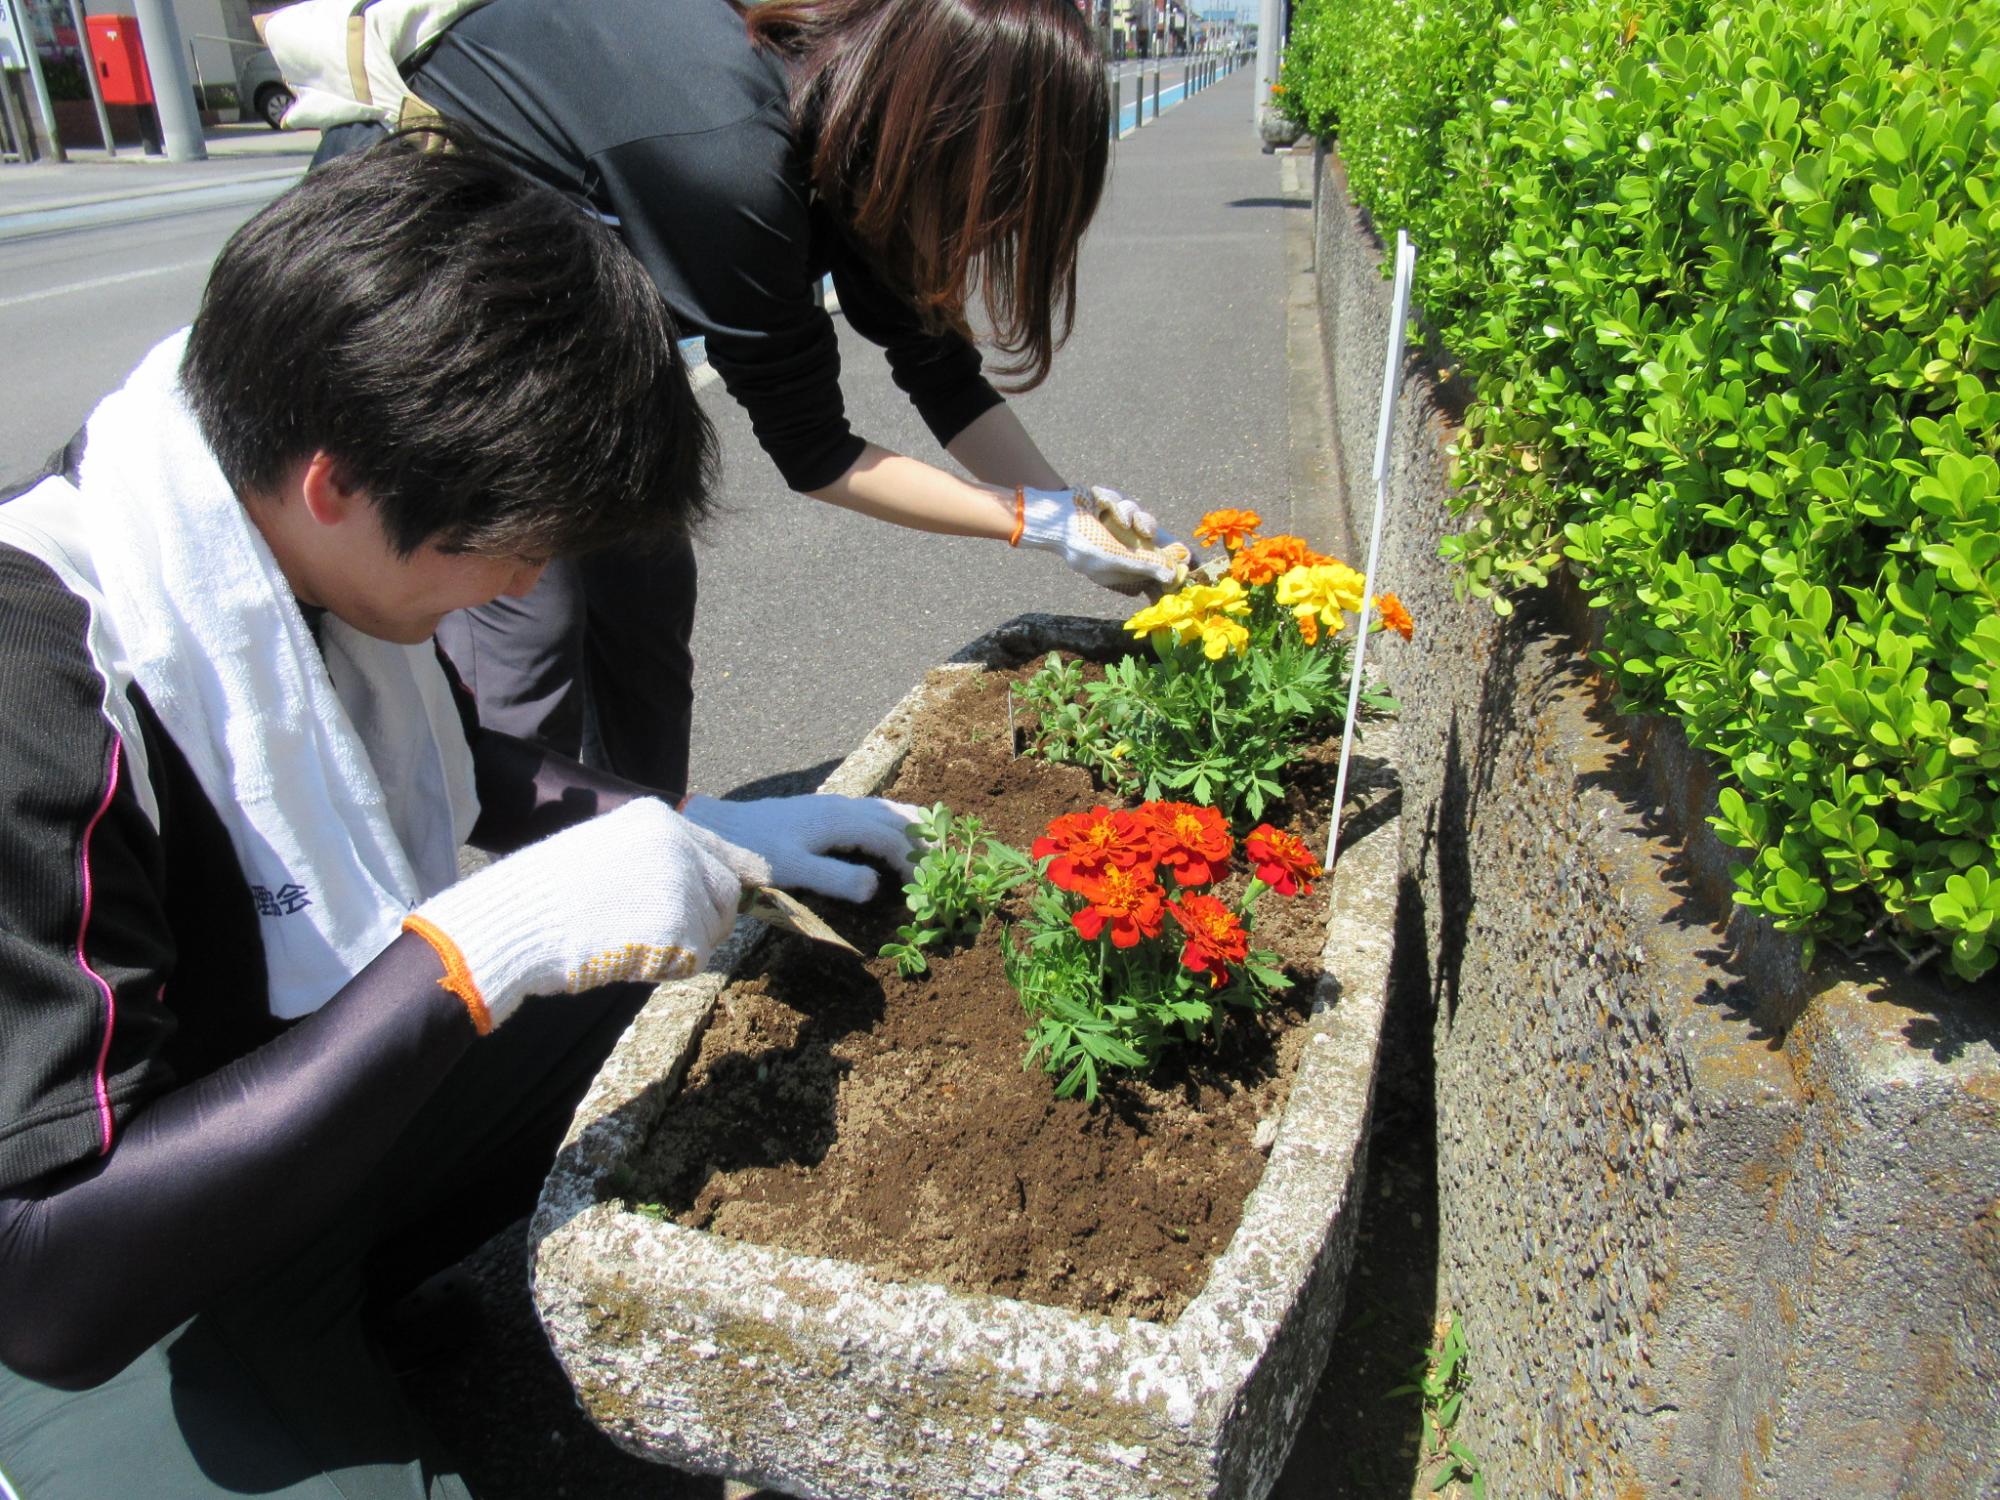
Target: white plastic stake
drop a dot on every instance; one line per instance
(1392, 381)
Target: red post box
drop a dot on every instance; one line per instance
(120, 61)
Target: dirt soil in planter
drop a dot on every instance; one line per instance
(838, 1109)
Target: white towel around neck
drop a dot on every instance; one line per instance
(341, 771)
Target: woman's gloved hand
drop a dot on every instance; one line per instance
(1074, 524)
(795, 834)
(638, 894)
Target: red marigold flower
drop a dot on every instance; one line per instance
(1394, 616)
(1215, 936)
(1087, 843)
(1281, 860)
(1192, 841)
(1129, 899)
(1230, 527)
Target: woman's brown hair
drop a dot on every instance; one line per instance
(963, 143)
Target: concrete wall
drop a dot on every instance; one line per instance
(1715, 1227)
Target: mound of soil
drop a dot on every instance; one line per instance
(837, 1108)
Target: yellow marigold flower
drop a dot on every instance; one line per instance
(1394, 616)
(1171, 612)
(1199, 612)
(1317, 595)
(1229, 527)
(1224, 598)
(1269, 556)
(1220, 635)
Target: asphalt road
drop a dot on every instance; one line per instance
(813, 621)
(79, 309)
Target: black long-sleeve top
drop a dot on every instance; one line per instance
(663, 118)
(162, 1135)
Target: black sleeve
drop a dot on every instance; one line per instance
(527, 792)
(939, 372)
(727, 234)
(84, 950)
(724, 231)
(129, 1200)
(221, 1176)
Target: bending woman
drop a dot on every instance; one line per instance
(928, 154)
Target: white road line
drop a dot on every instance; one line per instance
(99, 281)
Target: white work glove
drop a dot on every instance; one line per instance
(1071, 522)
(640, 893)
(795, 833)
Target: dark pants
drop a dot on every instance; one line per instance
(284, 1391)
(596, 662)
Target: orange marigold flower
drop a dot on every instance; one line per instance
(1215, 936)
(1191, 841)
(1230, 528)
(1281, 860)
(1085, 843)
(1394, 616)
(1268, 557)
(1126, 899)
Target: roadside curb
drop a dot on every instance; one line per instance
(54, 216)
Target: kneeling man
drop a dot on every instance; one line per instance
(265, 1063)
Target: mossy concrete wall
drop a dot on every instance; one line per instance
(1716, 1227)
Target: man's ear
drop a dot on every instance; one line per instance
(329, 497)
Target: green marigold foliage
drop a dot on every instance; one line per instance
(1724, 278)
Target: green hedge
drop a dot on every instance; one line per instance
(1726, 280)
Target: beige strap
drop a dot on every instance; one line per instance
(357, 60)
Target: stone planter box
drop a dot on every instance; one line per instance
(809, 1376)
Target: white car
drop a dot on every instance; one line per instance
(261, 92)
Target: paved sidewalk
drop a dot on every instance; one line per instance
(1177, 387)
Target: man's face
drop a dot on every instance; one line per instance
(335, 553)
(402, 599)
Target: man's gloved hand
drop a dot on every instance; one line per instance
(640, 893)
(1073, 523)
(795, 833)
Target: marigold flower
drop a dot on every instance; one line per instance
(1173, 612)
(1191, 841)
(1224, 598)
(1198, 612)
(1229, 527)
(1085, 844)
(1222, 636)
(1215, 936)
(1126, 899)
(1394, 616)
(1318, 593)
(1281, 860)
(1265, 559)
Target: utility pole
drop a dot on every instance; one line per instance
(24, 32)
(173, 95)
(1270, 47)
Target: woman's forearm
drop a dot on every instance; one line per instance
(912, 493)
(909, 492)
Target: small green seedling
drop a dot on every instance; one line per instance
(961, 875)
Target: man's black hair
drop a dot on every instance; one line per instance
(484, 359)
